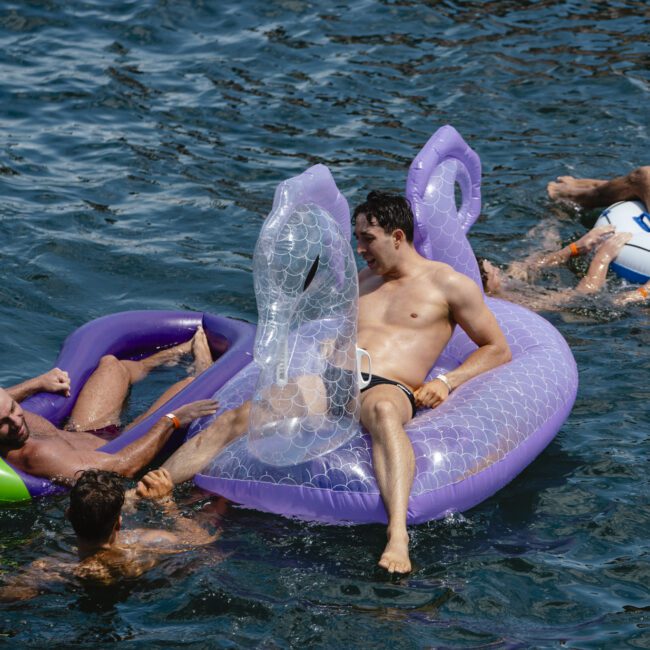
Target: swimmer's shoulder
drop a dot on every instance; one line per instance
(148, 538)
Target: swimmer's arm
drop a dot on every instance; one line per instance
(31, 581)
(52, 381)
(637, 295)
(469, 311)
(188, 531)
(158, 485)
(582, 246)
(597, 272)
(186, 534)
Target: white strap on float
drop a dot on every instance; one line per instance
(363, 383)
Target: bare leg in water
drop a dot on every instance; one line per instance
(593, 193)
(101, 400)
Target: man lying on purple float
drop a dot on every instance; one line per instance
(34, 445)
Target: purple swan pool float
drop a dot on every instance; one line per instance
(466, 449)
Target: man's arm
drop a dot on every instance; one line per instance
(53, 381)
(48, 461)
(590, 240)
(469, 311)
(597, 273)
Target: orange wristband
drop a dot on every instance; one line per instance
(175, 421)
(573, 247)
(643, 291)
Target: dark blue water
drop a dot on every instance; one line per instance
(140, 145)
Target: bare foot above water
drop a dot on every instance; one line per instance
(578, 191)
(201, 351)
(395, 558)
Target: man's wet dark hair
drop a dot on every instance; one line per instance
(389, 211)
(96, 501)
(482, 271)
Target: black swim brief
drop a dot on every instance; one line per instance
(338, 384)
(376, 380)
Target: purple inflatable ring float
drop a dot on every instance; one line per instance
(131, 335)
(478, 440)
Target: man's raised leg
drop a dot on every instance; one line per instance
(101, 400)
(384, 411)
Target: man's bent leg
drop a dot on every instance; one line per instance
(384, 411)
(102, 397)
(196, 453)
(100, 401)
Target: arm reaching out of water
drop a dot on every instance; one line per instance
(158, 485)
(597, 272)
(588, 242)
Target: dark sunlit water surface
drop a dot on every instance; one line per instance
(140, 146)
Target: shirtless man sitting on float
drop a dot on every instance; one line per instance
(34, 445)
(408, 309)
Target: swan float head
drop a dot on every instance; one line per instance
(306, 400)
(441, 226)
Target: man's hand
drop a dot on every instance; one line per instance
(431, 394)
(194, 410)
(611, 247)
(594, 238)
(55, 381)
(155, 485)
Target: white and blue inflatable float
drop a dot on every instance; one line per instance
(633, 262)
(306, 455)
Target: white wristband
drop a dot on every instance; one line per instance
(445, 381)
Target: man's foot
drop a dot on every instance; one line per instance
(166, 357)
(395, 558)
(201, 351)
(579, 191)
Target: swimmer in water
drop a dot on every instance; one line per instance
(107, 553)
(514, 283)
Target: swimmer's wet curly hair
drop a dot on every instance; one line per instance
(389, 211)
(482, 271)
(96, 501)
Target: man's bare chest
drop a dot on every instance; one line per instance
(411, 307)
